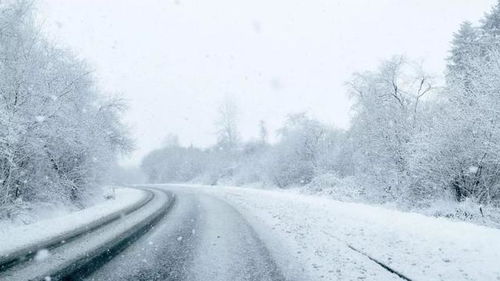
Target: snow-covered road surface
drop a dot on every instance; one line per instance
(76, 254)
(201, 238)
(209, 235)
(228, 233)
(15, 241)
(320, 235)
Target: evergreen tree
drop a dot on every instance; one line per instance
(491, 22)
(465, 52)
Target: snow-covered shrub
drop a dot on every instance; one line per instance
(466, 210)
(331, 185)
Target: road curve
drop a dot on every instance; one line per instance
(200, 238)
(104, 240)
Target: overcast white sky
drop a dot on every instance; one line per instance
(174, 61)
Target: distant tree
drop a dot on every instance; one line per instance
(299, 155)
(174, 163)
(171, 140)
(263, 134)
(228, 136)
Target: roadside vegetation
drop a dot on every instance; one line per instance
(412, 140)
(58, 133)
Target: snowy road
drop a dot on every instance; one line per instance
(66, 254)
(227, 233)
(206, 237)
(201, 238)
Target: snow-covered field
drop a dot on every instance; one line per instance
(17, 237)
(321, 234)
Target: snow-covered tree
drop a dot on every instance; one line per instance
(460, 155)
(490, 24)
(228, 136)
(58, 134)
(306, 147)
(387, 107)
(263, 133)
(174, 163)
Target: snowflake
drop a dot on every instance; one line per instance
(42, 254)
(473, 169)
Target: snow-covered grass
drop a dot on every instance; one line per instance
(351, 189)
(23, 213)
(14, 237)
(468, 211)
(318, 232)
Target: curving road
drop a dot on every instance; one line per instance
(200, 238)
(76, 250)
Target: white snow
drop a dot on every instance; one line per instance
(42, 254)
(318, 232)
(17, 237)
(40, 118)
(473, 169)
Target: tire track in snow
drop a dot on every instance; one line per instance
(383, 265)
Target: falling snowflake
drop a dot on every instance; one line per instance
(473, 169)
(42, 254)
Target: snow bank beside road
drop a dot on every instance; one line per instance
(319, 231)
(16, 238)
